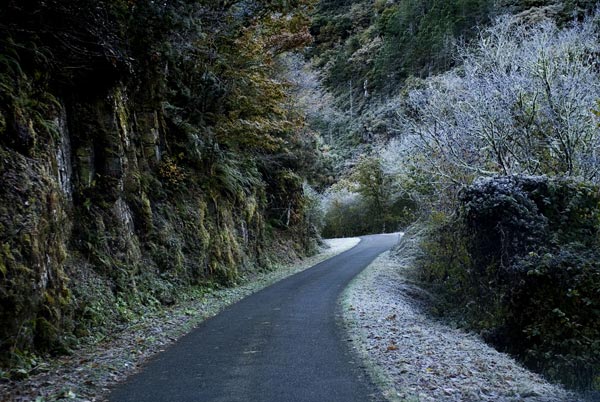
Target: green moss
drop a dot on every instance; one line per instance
(251, 206)
(121, 113)
(46, 334)
(49, 299)
(204, 234)
(5, 258)
(147, 219)
(84, 157)
(2, 124)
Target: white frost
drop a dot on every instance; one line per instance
(415, 358)
(340, 245)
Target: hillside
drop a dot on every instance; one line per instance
(150, 151)
(475, 125)
(145, 148)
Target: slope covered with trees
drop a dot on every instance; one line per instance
(482, 117)
(511, 140)
(145, 147)
(368, 53)
(369, 48)
(148, 147)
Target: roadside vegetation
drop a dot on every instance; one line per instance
(154, 149)
(147, 149)
(490, 143)
(95, 366)
(510, 140)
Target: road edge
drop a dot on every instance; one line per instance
(89, 372)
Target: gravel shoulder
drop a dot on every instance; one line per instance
(413, 357)
(86, 374)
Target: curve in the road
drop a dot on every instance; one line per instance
(281, 344)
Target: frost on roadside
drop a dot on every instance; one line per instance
(340, 245)
(417, 358)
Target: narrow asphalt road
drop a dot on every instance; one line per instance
(284, 343)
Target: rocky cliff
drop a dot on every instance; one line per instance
(116, 190)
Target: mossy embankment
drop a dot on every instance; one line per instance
(132, 165)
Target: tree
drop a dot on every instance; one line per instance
(375, 188)
(520, 103)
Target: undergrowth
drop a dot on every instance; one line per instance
(519, 262)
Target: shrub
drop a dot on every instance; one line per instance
(520, 262)
(558, 312)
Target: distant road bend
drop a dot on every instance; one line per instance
(281, 344)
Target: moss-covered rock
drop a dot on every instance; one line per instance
(34, 232)
(129, 172)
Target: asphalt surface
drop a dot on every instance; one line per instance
(284, 343)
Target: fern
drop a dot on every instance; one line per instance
(233, 177)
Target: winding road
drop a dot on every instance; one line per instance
(284, 343)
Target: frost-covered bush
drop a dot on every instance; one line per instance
(521, 102)
(521, 262)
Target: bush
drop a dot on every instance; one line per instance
(557, 308)
(520, 262)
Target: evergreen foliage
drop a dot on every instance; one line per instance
(372, 47)
(376, 46)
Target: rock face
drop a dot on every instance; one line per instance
(145, 148)
(34, 233)
(97, 222)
